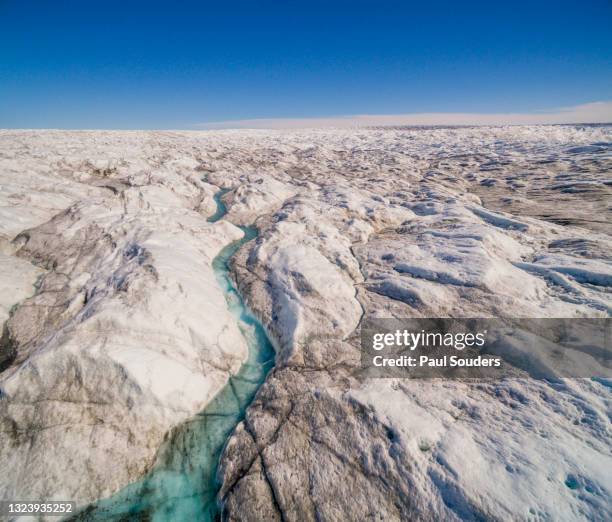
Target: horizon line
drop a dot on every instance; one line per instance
(593, 113)
(198, 127)
(599, 112)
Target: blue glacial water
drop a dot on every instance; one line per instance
(182, 484)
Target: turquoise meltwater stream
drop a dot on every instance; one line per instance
(182, 484)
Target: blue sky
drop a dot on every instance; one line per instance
(131, 64)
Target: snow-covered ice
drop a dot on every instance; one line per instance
(118, 332)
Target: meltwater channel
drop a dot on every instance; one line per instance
(183, 484)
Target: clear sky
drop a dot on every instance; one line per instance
(180, 64)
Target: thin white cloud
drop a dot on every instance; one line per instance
(596, 112)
